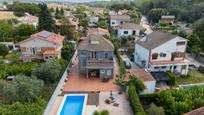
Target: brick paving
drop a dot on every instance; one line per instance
(79, 82)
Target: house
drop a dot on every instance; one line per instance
(199, 111)
(146, 77)
(160, 51)
(95, 57)
(93, 20)
(129, 29)
(116, 20)
(167, 19)
(41, 46)
(28, 19)
(98, 31)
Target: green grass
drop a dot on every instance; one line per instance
(194, 77)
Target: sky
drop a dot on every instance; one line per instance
(74, 0)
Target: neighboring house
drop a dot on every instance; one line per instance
(10, 45)
(160, 51)
(129, 29)
(116, 20)
(97, 31)
(146, 77)
(93, 20)
(95, 57)
(167, 19)
(41, 46)
(199, 111)
(28, 19)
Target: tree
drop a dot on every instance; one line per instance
(139, 85)
(155, 110)
(22, 88)
(19, 8)
(49, 71)
(67, 50)
(24, 30)
(6, 30)
(199, 30)
(84, 23)
(155, 14)
(45, 19)
(4, 50)
(65, 29)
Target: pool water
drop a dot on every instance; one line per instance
(191, 85)
(73, 105)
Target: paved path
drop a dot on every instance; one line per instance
(124, 107)
(144, 23)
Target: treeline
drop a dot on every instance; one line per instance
(184, 10)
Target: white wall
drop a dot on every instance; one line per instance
(141, 53)
(168, 48)
(150, 87)
(130, 32)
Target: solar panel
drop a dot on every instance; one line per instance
(45, 34)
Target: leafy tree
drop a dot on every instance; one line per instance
(65, 29)
(45, 19)
(4, 50)
(67, 50)
(84, 23)
(24, 30)
(139, 85)
(102, 24)
(155, 14)
(23, 108)
(155, 110)
(22, 88)
(6, 30)
(20, 8)
(49, 71)
(199, 30)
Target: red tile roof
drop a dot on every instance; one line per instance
(142, 74)
(47, 36)
(199, 111)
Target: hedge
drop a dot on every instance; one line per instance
(121, 63)
(135, 101)
(172, 77)
(177, 102)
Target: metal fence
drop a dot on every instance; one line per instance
(59, 86)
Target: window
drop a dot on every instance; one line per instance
(163, 67)
(113, 22)
(50, 56)
(156, 67)
(154, 56)
(109, 72)
(177, 54)
(125, 32)
(106, 55)
(133, 32)
(162, 55)
(181, 43)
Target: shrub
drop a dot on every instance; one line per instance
(122, 65)
(104, 112)
(177, 102)
(134, 100)
(67, 50)
(172, 77)
(155, 110)
(22, 88)
(49, 71)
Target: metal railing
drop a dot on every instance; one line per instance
(59, 87)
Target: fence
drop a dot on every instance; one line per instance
(59, 86)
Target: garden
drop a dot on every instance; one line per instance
(33, 82)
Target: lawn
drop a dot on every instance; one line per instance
(194, 77)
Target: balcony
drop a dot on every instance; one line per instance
(93, 63)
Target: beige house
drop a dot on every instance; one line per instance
(41, 46)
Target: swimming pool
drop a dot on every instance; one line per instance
(191, 85)
(73, 104)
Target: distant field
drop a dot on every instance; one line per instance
(4, 15)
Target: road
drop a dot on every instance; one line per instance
(144, 23)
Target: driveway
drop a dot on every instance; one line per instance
(144, 23)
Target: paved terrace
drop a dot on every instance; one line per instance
(79, 82)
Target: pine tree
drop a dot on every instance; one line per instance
(45, 19)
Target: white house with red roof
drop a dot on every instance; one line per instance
(41, 46)
(28, 19)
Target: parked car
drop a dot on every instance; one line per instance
(127, 64)
(193, 67)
